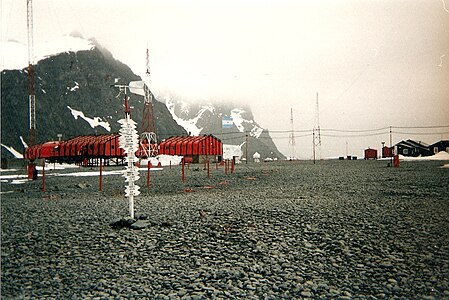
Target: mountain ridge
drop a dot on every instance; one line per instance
(72, 81)
(75, 96)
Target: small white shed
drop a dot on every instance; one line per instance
(256, 157)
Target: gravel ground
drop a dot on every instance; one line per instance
(334, 230)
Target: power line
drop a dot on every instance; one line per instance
(354, 135)
(358, 130)
(421, 127)
(328, 132)
(421, 133)
(286, 131)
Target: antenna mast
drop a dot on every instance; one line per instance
(317, 133)
(148, 138)
(292, 136)
(31, 95)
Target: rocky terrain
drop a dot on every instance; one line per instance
(279, 230)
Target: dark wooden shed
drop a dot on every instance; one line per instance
(370, 153)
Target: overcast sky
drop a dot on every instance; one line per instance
(372, 63)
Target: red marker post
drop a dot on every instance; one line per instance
(148, 175)
(182, 173)
(43, 175)
(396, 161)
(208, 169)
(101, 175)
(226, 167)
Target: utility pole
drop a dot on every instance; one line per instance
(391, 148)
(313, 137)
(292, 136)
(31, 94)
(246, 147)
(317, 132)
(31, 167)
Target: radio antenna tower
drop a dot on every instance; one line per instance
(292, 141)
(148, 138)
(317, 133)
(31, 95)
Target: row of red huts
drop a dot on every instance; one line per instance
(78, 149)
(195, 149)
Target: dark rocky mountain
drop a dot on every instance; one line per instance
(199, 118)
(79, 81)
(74, 94)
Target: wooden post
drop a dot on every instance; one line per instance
(226, 167)
(208, 169)
(101, 174)
(182, 173)
(232, 166)
(43, 175)
(148, 174)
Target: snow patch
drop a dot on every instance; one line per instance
(96, 121)
(189, 125)
(236, 115)
(25, 145)
(73, 89)
(439, 156)
(256, 131)
(165, 160)
(13, 151)
(19, 181)
(14, 176)
(185, 109)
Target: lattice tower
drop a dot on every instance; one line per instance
(148, 138)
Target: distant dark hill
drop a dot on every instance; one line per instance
(79, 80)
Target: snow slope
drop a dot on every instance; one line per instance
(93, 122)
(190, 125)
(236, 115)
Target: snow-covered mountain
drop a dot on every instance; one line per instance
(73, 94)
(207, 118)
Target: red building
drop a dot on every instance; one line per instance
(387, 152)
(370, 153)
(194, 148)
(91, 148)
(77, 149)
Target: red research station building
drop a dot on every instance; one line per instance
(370, 153)
(77, 149)
(84, 149)
(195, 149)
